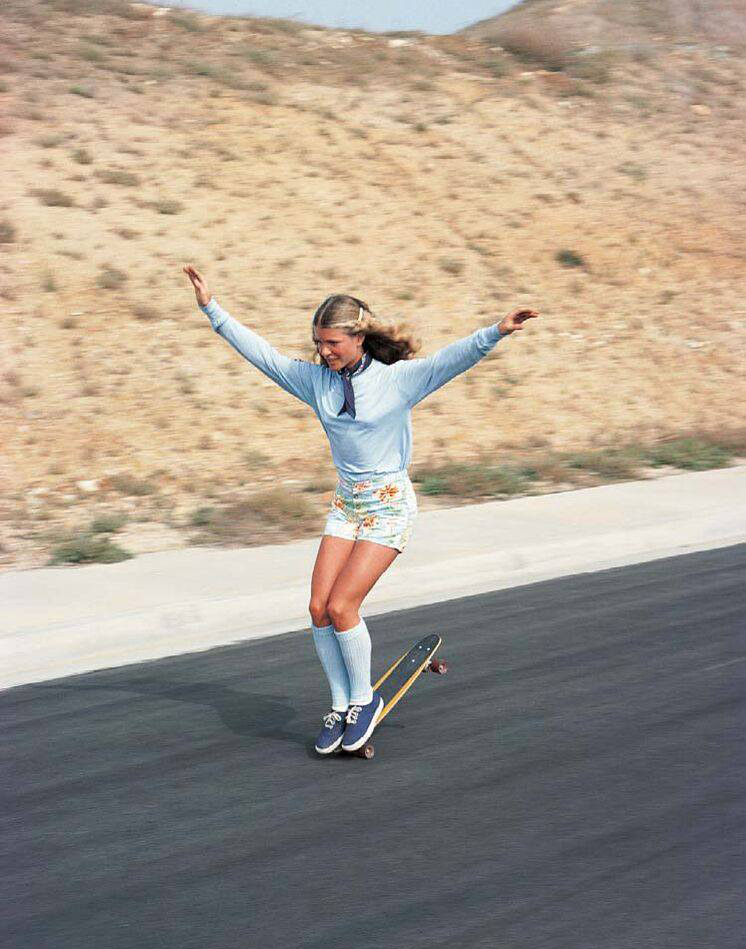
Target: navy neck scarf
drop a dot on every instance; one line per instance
(347, 373)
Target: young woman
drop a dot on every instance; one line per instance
(362, 387)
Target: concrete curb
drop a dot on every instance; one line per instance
(63, 621)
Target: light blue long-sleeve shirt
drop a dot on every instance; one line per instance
(379, 440)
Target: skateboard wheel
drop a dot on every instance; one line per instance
(367, 751)
(439, 666)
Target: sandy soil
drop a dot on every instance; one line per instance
(404, 170)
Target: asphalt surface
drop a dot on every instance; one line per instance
(577, 779)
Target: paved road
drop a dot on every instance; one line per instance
(576, 780)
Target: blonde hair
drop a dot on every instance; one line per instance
(386, 341)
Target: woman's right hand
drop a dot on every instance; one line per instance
(199, 284)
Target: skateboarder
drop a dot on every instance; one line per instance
(362, 387)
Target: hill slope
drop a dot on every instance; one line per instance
(443, 180)
(610, 24)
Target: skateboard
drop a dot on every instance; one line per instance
(400, 677)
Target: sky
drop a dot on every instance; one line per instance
(430, 16)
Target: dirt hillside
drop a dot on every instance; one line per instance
(630, 25)
(444, 179)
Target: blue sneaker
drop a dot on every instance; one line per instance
(330, 736)
(361, 720)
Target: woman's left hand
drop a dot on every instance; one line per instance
(515, 320)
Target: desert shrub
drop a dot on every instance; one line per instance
(111, 279)
(167, 206)
(609, 463)
(117, 176)
(546, 47)
(475, 479)
(634, 170)
(593, 67)
(88, 548)
(145, 313)
(690, 454)
(255, 519)
(128, 484)
(90, 54)
(449, 265)
(53, 197)
(7, 232)
(568, 258)
(188, 22)
(50, 141)
(107, 523)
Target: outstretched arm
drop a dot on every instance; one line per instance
(293, 375)
(417, 378)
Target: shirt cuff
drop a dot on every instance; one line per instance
(216, 313)
(489, 335)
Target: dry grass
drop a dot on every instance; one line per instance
(271, 516)
(531, 472)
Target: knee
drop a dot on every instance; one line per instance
(319, 613)
(339, 609)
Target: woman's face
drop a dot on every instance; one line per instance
(338, 348)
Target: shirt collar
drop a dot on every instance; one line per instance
(361, 364)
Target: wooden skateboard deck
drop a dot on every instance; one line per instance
(401, 676)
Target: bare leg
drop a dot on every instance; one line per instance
(333, 554)
(366, 564)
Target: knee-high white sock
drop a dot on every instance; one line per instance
(328, 651)
(355, 647)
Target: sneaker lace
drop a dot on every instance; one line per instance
(352, 713)
(331, 718)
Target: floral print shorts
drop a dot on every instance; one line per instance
(381, 509)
